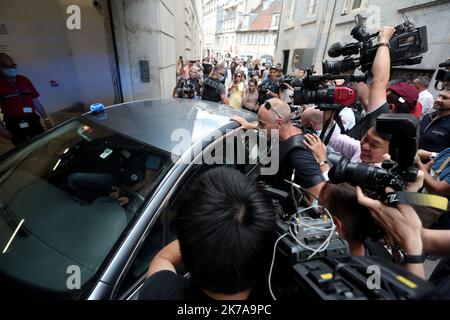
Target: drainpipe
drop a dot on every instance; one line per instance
(329, 30)
(116, 55)
(319, 35)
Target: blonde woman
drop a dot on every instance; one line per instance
(236, 90)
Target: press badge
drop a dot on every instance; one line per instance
(24, 125)
(27, 110)
(106, 154)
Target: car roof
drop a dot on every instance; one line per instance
(162, 123)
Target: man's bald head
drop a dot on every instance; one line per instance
(313, 117)
(279, 107)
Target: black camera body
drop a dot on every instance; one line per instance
(395, 173)
(443, 76)
(332, 274)
(320, 90)
(407, 46)
(186, 89)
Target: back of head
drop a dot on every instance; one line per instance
(314, 117)
(342, 202)
(404, 96)
(225, 226)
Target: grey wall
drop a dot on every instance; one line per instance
(145, 30)
(326, 28)
(46, 50)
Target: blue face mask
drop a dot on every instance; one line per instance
(222, 79)
(10, 72)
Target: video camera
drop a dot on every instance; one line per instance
(312, 262)
(320, 90)
(186, 89)
(407, 46)
(443, 76)
(395, 173)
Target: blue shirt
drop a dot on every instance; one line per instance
(441, 158)
(434, 136)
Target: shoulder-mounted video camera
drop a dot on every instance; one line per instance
(312, 262)
(323, 91)
(407, 46)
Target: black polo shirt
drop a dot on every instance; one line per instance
(366, 123)
(434, 135)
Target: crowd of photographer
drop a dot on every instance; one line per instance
(363, 176)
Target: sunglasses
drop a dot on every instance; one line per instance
(268, 106)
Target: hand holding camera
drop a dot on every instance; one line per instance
(385, 34)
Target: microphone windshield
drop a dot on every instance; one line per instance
(335, 50)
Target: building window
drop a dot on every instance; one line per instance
(275, 20)
(354, 5)
(312, 8)
(291, 5)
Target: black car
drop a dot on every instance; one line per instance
(85, 206)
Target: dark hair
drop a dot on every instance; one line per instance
(225, 226)
(253, 81)
(341, 200)
(385, 136)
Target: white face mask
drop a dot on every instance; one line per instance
(319, 132)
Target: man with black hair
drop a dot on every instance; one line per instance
(226, 231)
(435, 127)
(270, 87)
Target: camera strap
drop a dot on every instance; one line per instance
(417, 199)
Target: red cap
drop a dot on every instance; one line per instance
(406, 91)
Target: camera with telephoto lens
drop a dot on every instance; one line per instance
(395, 173)
(443, 76)
(285, 81)
(407, 46)
(312, 262)
(320, 90)
(186, 89)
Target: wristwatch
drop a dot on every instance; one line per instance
(433, 156)
(323, 163)
(408, 259)
(384, 44)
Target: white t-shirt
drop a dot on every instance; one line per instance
(426, 99)
(348, 118)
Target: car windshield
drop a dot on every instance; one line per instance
(66, 200)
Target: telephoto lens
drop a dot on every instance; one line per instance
(362, 175)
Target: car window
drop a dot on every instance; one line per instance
(66, 200)
(220, 153)
(158, 237)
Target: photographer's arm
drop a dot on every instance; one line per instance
(381, 71)
(436, 242)
(166, 259)
(402, 224)
(319, 150)
(433, 186)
